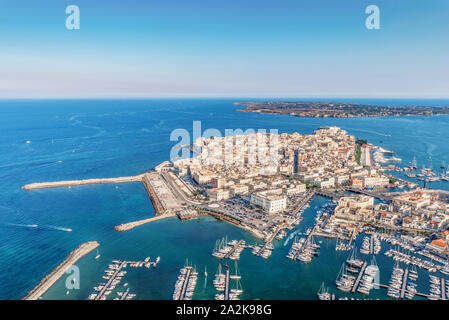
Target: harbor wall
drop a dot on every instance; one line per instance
(60, 270)
(131, 225)
(74, 183)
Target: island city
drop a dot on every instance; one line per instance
(263, 182)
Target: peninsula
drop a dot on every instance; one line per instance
(338, 110)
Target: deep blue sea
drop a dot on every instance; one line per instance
(77, 139)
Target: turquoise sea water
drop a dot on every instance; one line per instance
(76, 139)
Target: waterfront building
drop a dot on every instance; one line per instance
(202, 177)
(375, 181)
(270, 202)
(414, 200)
(218, 194)
(356, 202)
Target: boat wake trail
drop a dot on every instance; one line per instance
(369, 131)
(58, 228)
(290, 237)
(33, 226)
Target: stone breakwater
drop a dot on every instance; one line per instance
(59, 271)
(131, 225)
(74, 183)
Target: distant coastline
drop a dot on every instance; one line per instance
(339, 110)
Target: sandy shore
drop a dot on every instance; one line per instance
(59, 271)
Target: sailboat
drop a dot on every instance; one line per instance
(344, 281)
(238, 288)
(445, 175)
(323, 294)
(414, 165)
(219, 281)
(236, 276)
(353, 261)
(98, 255)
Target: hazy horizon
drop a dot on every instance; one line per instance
(224, 49)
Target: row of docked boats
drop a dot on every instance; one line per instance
(222, 248)
(395, 284)
(396, 242)
(370, 278)
(436, 287)
(427, 254)
(345, 281)
(186, 283)
(371, 245)
(409, 259)
(267, 250)
(220, 284)
(411, 283)
(303, 250)
(113, 276)
(233, 248)
(341, 245)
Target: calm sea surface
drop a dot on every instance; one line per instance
(79, 139)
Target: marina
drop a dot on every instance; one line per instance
(322, 268)
(114, 275)
(223, 283)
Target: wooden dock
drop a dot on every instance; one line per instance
(305, 242)
(123, 297)
(443, 289)
(416, 293)
(112, 278)
(356, 283)
(186, 281)
(226, 292)
(238, 244)
(355, 231)
(404, 283)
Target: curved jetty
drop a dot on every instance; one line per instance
(130, 225)
(74, 183)
(59, 271)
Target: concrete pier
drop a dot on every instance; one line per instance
(238, 244)
(443, 289)
(112, 278)
(184, 285)
(60, 270)
(356, 283)
(404, 283)
(226, 292)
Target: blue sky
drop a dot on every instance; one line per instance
(244, 48)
